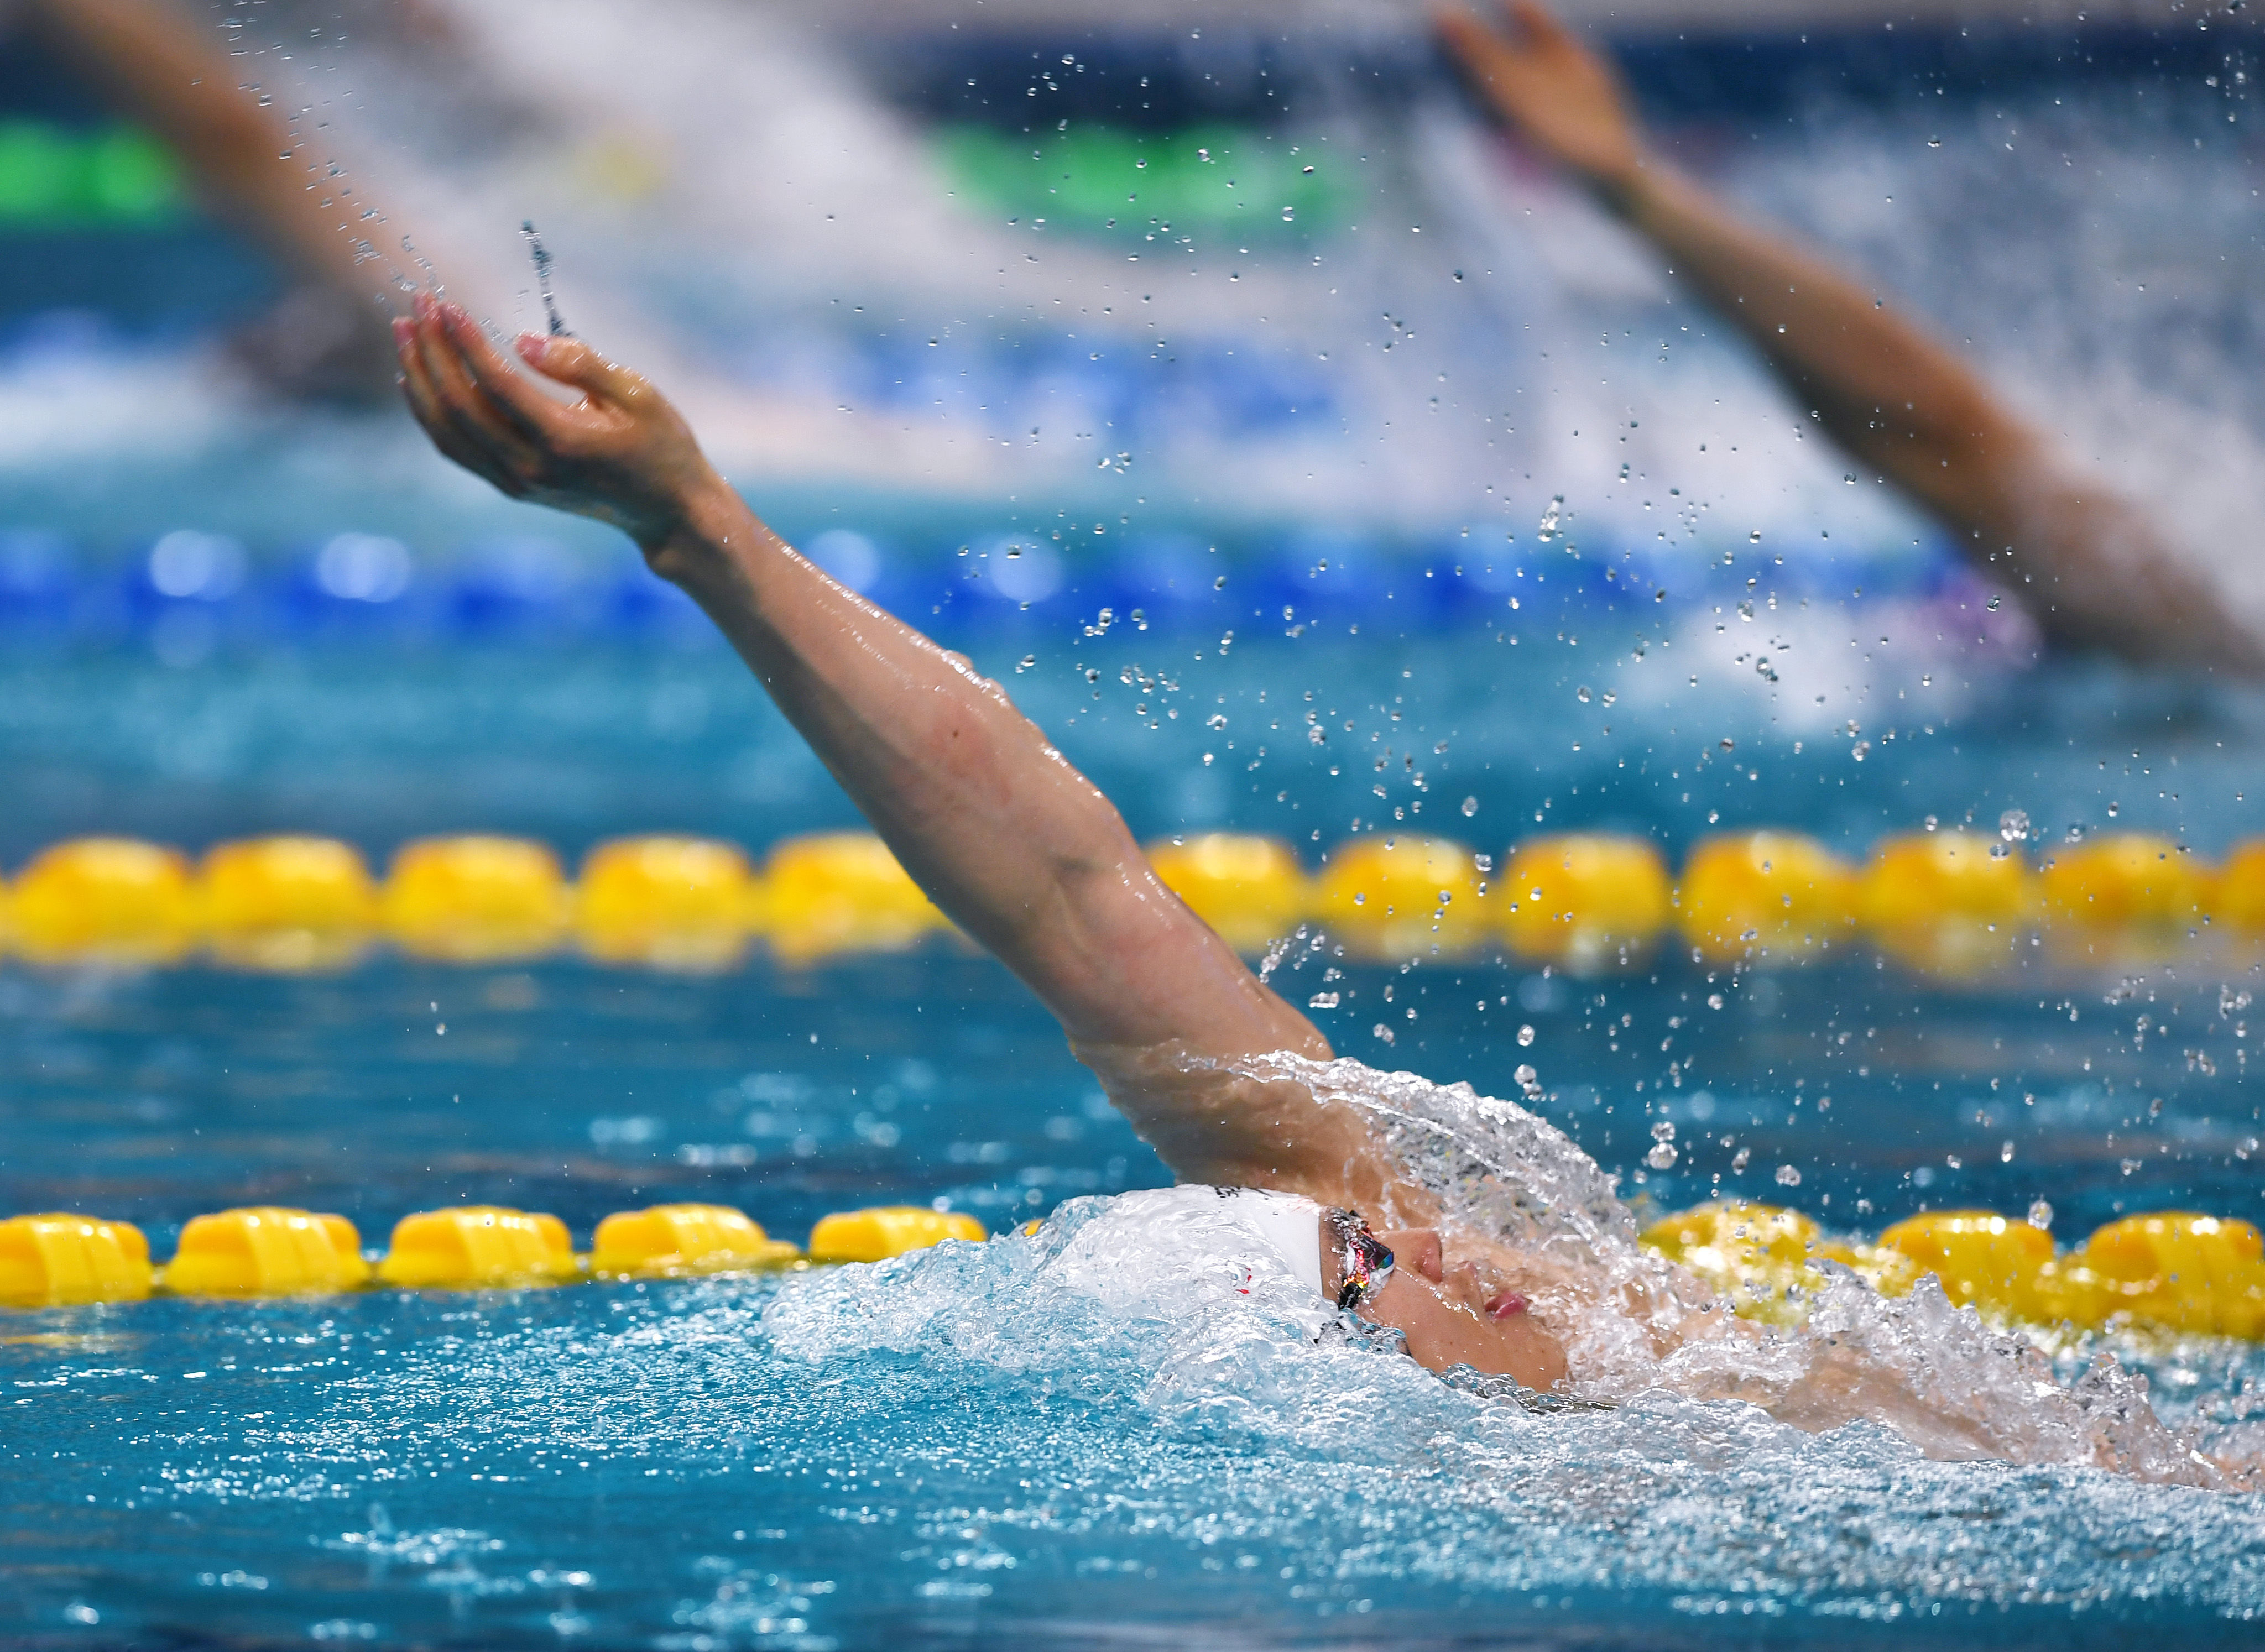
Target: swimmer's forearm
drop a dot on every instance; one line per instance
(243, 157)
(1012, 842)
(1004, 835)
(2089, 568)
(1878, 384)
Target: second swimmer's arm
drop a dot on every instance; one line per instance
(1018, 847)
(2087, 565)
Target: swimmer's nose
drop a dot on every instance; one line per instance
(1416, 1248)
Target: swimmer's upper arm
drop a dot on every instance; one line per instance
(1156, 1002)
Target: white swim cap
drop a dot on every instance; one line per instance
(1236, 1240)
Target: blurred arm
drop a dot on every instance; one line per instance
(2085, 563)
(174, 77)
(1017, 846)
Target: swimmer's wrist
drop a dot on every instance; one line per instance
(707, 520)
(1626, 190)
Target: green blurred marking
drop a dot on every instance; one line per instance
(58, 177)
(1095, 180)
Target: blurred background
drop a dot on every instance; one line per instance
(1137, 284)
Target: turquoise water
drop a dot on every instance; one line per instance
(945, 1451)
(1364, 436)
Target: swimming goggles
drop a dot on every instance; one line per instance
(1364, 1261)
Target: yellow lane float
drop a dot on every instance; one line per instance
(105, 900)
(1764, 898)
(1251, 890)
(1993, 1263)
(1951, 901)
(842, 891)
(889, 1230)
(1400, 896)
(2129, 881)
(1587, 901)
(1758, 1257)
(266, 1250)
(474, 899)
(54, 1260)
(673, 1240)
(2238, 899)
(478, 1247)
(287, 903)
(2174, 1271)
(676, 903)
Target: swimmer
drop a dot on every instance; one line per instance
(1027, 856)
(2086, 565)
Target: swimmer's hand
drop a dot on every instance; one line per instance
(1538, 77)
(622, 453)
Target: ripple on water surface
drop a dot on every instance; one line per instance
(950, 1444)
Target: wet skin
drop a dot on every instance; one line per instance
(1455, 1314)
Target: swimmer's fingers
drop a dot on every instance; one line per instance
(468, 408)
(534, 416)
(425, 406)
(437, 395)
(571, 361)
(1470, 38)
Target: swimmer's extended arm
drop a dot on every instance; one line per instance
(243, 156)
(1017, 846)
(2083, 561)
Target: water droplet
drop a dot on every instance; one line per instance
(2040, 1214)
(1994, 602)
(1582, 693)
(1524, 1036)
(2014, 826)
(1661, 1158)
(1470, 807)
(1664, 1130)
(1787, 1176)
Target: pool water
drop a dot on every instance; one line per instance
(939, 1451)
(1293, 528)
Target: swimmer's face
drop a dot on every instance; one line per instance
(1458, 1315)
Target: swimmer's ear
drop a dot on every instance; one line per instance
(571, 361)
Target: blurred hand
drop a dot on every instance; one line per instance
(1553, 89)
(622, 453)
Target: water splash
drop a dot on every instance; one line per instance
(1634, 1323)
(542, 256)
